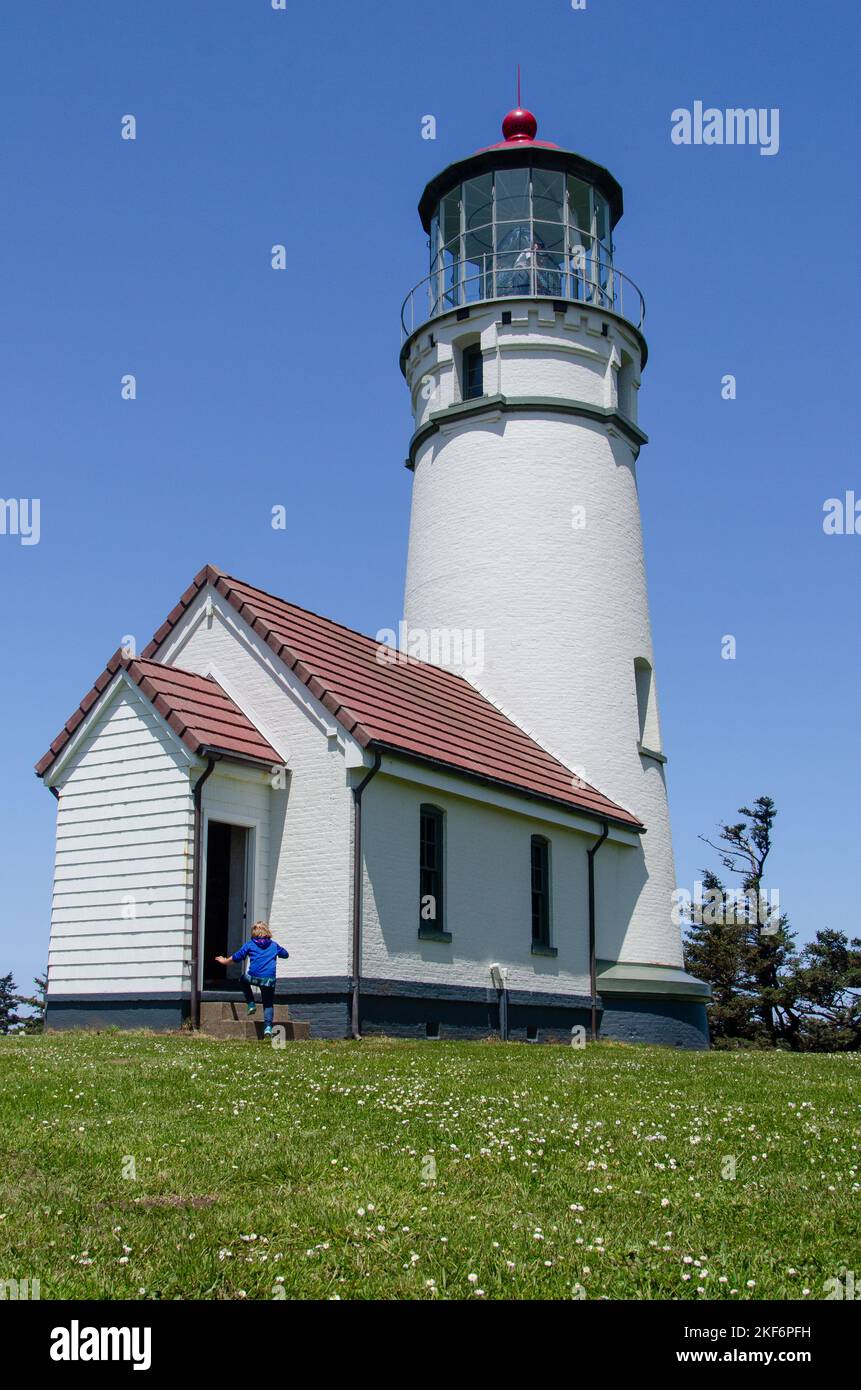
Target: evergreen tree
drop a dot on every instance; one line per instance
(745, 954)
(35, 1021)
(827, 981)
(744, 850)
(9, 1020)
(715, 951)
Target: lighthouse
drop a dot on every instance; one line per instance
(523, 349)
(486, 810)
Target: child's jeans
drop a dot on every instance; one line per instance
(267, 995)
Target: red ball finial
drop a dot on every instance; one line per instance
(519, 125)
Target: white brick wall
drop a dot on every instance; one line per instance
(564, 611)
(488, 892)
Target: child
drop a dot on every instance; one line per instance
(263, 953)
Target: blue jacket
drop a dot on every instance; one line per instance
(263, 953)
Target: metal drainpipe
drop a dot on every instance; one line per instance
(357, 891)
(593, 963)
(196, 888)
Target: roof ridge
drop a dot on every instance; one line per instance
(167, 666)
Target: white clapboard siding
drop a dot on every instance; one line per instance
(119, 797)
(163, 910)
(75, 837)
(151, 869)
(144, 897)
(137, 815)
(134, 934)
(124, 845)
(124, 979)
(138, 955)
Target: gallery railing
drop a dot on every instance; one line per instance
(532, 274)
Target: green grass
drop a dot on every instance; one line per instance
(310, 1165)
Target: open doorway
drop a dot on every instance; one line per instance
(227, 898)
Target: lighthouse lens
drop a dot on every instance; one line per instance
(521, 231)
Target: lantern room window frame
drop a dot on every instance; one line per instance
(469, 257)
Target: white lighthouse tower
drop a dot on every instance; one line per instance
(523, 351)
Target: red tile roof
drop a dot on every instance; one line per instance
(195, 707)
(407, 706)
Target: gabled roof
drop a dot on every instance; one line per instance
(405, 706)
(195, 707)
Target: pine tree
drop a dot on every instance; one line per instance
(745, 955)
(769, 944)
(9, 1020)
(827, 980)
(716, 951)
(35, 1021)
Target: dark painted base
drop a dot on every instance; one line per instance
(408, 1009)
(122, 1012)
(667, 1022)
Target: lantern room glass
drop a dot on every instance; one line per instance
(521, 231)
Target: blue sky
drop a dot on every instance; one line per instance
(258, 388)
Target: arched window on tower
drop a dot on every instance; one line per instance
(647, 709)
(471, 370)
(626, 392)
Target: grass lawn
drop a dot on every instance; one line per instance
(139, 1165)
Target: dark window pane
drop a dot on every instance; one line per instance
(540, 891)
(512, 195)
(473, 372)
(478, 207)
(548, 194)
(430, 867)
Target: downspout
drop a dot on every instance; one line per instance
(196, 890)
(357, 891)
(593, 962)
(55, 792)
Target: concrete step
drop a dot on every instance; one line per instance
(252, 1030)
(236, 1011)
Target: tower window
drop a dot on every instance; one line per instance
(647, 712)
(431, 885)
(540, 864)
(472, 372)
(625, 391)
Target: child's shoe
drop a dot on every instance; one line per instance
(252, 1009)
(267, 1030)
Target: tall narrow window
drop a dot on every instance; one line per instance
(626, 394)
(473, 372)
(431, 886)
(647, 711)
(540, 891)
